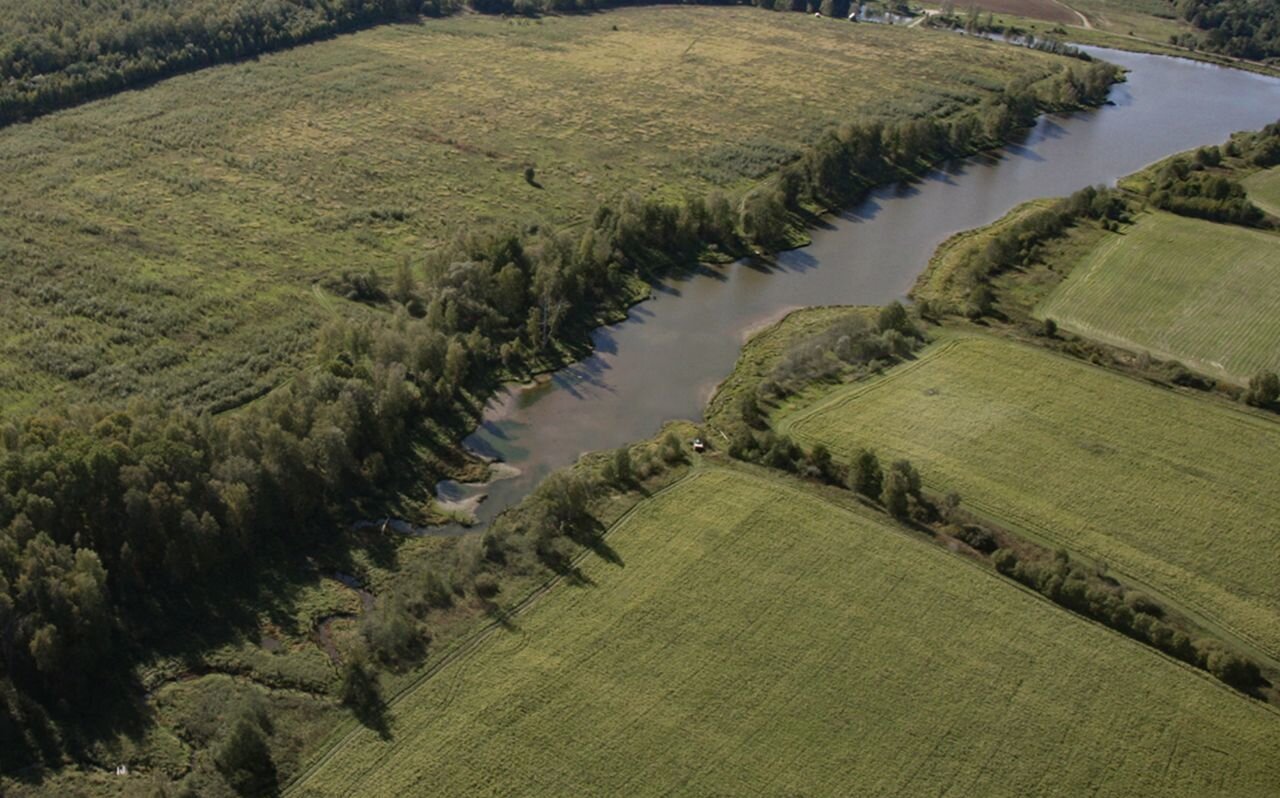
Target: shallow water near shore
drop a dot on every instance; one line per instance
(664, 361)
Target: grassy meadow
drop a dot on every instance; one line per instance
(1264, 190)
(1174, 492)
(172, 242)
(754, 638)
(1181, 289)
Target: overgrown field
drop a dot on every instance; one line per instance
(1264, 190)
(1172, 491)
(755, 639)
(1181, 289)
(168, 242)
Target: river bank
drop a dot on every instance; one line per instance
(666, 358)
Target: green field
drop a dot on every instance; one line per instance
(757, 639)
(1181, 289)
(168, 242)
(1172, 491)
(1264, 190)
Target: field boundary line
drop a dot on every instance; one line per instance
(1193, 607)
(853, 507)
(351, 727)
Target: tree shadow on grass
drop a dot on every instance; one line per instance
(375, 718)
(505, 619)
(608, 553)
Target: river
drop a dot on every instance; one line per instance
(666, 358)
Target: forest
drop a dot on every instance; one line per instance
(1240, 28)
(118, 524)
(55, 54)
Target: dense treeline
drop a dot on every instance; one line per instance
(115, 522)
(1090, 593)
(1240, 28)
(55, 54)
(1189, 185)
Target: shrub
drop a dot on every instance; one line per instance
(781, 452)
(981, 302)
(978, 538)
(243, 757)
(1264, 389)
(750, 410)
(360, 689)
(865, 475)
(823, 465)
(1005, 561)
(1141, 603)
(894, 317)
(672, 449)
(622, 471)
(436, 590)
(487, 586)
(896, 495)
(390, 631)
(1231, 668)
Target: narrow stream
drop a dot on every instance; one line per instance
(666, 358)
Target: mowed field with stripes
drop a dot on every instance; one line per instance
(754, 637)
(1204, 294)
(1170, 490)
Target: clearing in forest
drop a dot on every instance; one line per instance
(1180, 289)
(1174, 492)
(755, 638)
(166, 242)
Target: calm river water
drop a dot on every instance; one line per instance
(664, 361)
